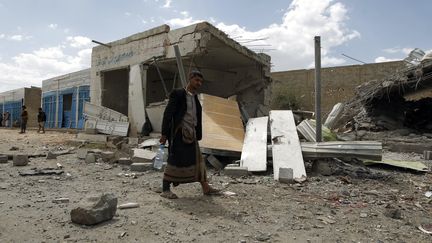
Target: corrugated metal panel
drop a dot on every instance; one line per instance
(107, 127)
(84, 96)
(99, 112)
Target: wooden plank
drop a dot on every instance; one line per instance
(254, 152)
(286, 148)
(222, 124)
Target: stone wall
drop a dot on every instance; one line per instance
(32, 100)
(338, 84)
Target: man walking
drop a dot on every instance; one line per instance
(41, 120)
(181, 124)
(24, 119)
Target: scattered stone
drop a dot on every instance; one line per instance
(263, 237)
(90, 158)
(94, 210)
(51, 155)
(132, 141)
(81, 153)
(393, 213)
(428, 194)
(20, 160)
(3, 159)
(39, 171)
(13, 148)
(95, 138)
(236, 171)
(322, 167)
(59, 166)
(125, 161)
(61, 200)
(66, 237)
(363, 215)
(286, 175)
(141, 167)
(107, 156)
(128, 205)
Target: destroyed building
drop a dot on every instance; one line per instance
(13, 100)
(63, 99)
(401, 100)
(124, 74)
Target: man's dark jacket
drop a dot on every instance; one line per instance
(175, 111)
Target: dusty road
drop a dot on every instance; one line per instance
(323, 209)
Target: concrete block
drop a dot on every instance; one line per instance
(142, 155)
(51, 155)
(236, 171)
(92, 137)
(90, 158)
(141, 167)
(427, 155)
(20, 160)
(3, 159)
(81, 153)
(215, 162)
(286, 175)
(124, 161)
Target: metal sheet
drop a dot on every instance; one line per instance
(254, 152)
(103, 113)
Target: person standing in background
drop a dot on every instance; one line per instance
(24, 119)
(41, 120)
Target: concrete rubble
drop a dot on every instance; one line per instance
(95, 209)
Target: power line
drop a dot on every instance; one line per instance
(353, 58)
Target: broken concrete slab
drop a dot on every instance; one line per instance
(3, 159)
(124, 161)
(149, 143)
(236, 171)
(254, 152)
(307, 129)
(141, 167)
(286, 149)
(334, 115)
(20, 160)
(94, 210)
(142, 155)
(99, 138)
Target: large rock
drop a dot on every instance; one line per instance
(143, 155)
(20, 160)
(94, 210)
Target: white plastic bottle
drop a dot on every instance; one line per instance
(158, 162)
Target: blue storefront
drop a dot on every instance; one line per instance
(69, 115)
(14, 109)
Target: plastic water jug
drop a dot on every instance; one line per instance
(158, 162)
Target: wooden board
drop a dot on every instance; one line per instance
(286, 148)
(222, 124)
(254, 153)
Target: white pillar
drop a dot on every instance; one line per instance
(77, 107)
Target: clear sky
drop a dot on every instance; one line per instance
(47, 38)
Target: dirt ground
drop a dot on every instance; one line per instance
(322, 209)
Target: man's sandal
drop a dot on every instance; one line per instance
(169, 195)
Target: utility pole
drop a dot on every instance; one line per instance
(318, 88)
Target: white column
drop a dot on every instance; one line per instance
(77, 108)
